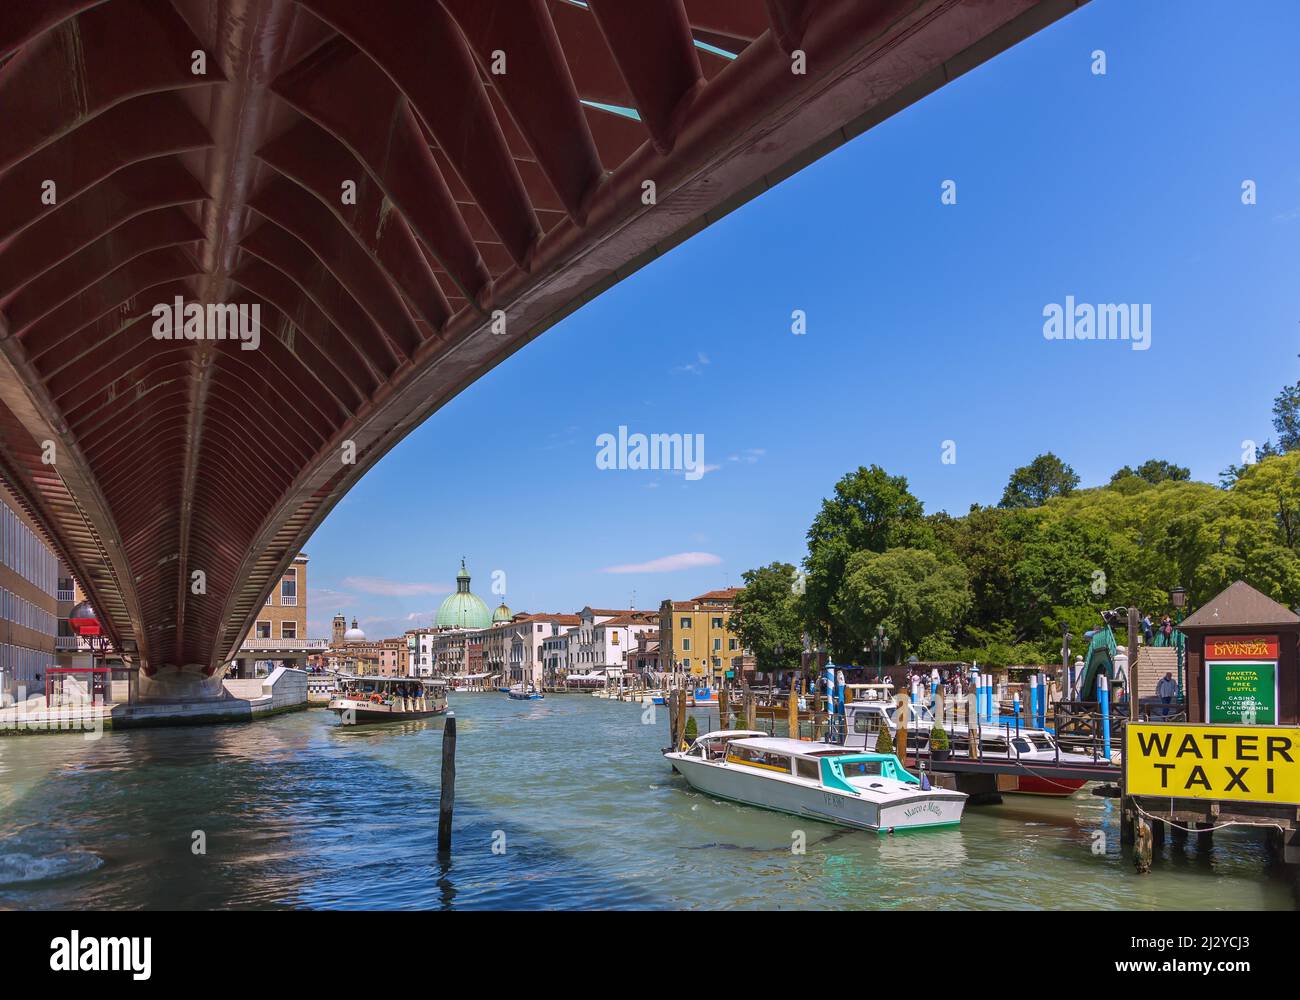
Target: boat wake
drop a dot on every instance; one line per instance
(18, 867)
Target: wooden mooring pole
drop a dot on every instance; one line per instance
(447, 796)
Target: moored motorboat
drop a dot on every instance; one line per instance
(388, 699)
(522, 692)
(1027, 746)
(868, 791)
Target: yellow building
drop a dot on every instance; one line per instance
(284, 616)
(699, 634)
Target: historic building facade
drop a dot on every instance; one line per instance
(696, 636)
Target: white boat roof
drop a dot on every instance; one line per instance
(783, 744)
(735, 733)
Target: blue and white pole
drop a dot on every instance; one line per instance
(934, 690)
(1015, 709)
(1042, 701)
(1033, 699)
(1103, 695)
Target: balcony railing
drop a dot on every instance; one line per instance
(67, 595)
(285, 644)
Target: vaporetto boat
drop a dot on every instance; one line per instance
(388, 699)
(869, 791)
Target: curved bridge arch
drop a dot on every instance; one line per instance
(201, 149)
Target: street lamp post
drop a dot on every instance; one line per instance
(1066, 679)
(1178, 598)
(879, 642)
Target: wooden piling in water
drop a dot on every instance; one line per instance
(901, 713)
(724, 709)
(447, 795)
(1142, 846)
(793, 712)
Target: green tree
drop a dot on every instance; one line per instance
(1286, 417)
(987, 542)
(1286, 421)
(1155, 471)
(912, 592)
(1034, 484)
(1274, 484)
(870, 511)
(768, 614)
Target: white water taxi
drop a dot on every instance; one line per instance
(388, 699)
(868, 791)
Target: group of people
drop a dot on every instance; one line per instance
(1166, 631)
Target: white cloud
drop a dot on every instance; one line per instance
(333, 598)
(393, 588)
(668, 564)
(696, 367)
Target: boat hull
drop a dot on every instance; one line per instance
(360, 712)
(738, 784)
(1029, 784)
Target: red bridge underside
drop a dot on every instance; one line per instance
(202, 149)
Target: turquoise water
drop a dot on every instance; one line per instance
(562, 803)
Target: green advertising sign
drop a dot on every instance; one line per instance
(1242, 691)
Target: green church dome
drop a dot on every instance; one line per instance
(502, 613)
(463, 609)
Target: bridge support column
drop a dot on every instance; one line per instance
(171, 684)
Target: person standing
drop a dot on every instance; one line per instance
(1166, 690)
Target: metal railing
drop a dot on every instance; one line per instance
(284, 644)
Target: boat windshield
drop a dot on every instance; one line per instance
(916, 713)
(861, 769)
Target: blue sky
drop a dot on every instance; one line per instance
(925, 324)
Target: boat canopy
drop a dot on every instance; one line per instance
(385, 680)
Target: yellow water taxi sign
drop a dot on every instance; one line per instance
(1244, 763)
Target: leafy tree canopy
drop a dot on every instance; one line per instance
(869, 511)
(912, 592)
(1155, 471)
(769, 615)
(1034, 484)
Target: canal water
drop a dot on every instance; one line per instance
(559, 803)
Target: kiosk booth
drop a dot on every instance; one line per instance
(1236, 760)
